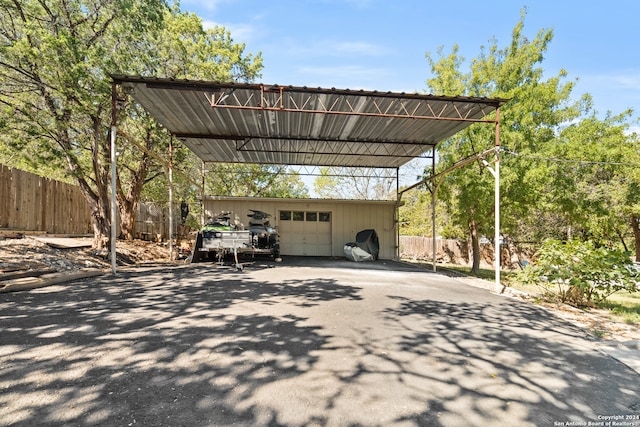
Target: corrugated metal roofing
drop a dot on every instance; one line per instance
(256, 123)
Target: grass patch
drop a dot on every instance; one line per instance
(625, 306)
(484, 273)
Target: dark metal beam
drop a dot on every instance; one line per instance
(248, 138)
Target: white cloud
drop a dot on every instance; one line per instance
(245, 32)
(241, 33)
(208, 5)
(622, 79)
(633, 129)
(342, 70)
(208, 25)
(359, 48)
(353, 77)
(614, 91)
(628, 81)
(331, 48)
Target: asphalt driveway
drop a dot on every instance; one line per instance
(319, 342)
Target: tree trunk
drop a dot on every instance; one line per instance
(98, 199)
(128, 212)
(101, 162)
(100, 213)
(621, 237)
(635, 226)
(128, 203)
(475, 247)
(100, 216)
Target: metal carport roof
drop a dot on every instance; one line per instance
(272, 124)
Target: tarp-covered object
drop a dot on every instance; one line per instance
(365, 248)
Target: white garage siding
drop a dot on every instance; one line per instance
(314, 227)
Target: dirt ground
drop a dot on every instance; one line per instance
(28, 254)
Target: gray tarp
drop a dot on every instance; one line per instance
(365, 248)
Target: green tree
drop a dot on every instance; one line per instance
(593, 172)
(182, 49)
(54, 89)
(55, 61)
(528, 122)
(254, 181)
(223, 179)
(414, 216)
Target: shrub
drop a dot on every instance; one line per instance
(579, 273)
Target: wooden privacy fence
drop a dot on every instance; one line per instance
(447, 250)
(456, 251)
(32, 203)
(152, 221)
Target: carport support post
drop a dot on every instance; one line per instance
(433, 208)
(496, 242)
(202, 194)
(171, 197)
(114, 210)
(397, 219)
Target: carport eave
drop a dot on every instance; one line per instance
(186, 84)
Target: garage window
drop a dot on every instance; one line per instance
(305, 216)
(285, 215)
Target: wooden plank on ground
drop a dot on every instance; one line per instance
(62, 242)
(46, 280)
(24, 273)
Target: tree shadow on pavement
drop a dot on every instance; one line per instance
(196, 346)
(152, 347)
(507, 365)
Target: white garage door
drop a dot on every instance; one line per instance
(305, 233)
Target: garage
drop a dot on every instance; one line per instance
(316, 227)
(231, 122)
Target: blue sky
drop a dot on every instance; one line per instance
(381, 45)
